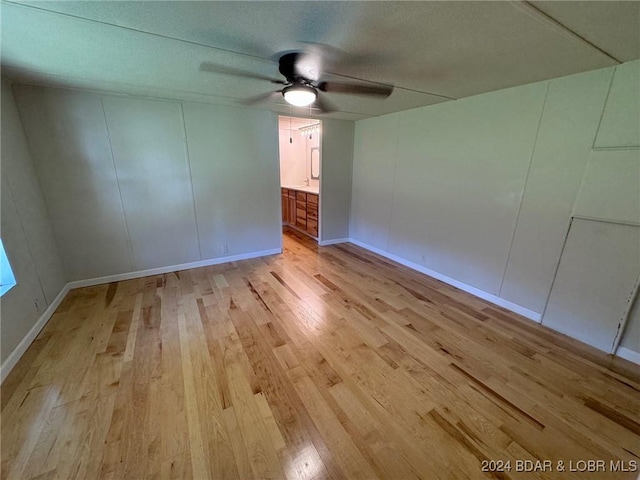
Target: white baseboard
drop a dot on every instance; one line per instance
(324, 243)
(171, 268)
(628, 354)
(525, 312)
(22, 347)
(17, 353)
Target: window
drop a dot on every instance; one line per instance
(7, 280)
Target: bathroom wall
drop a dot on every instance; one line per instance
(313, 142)
(292, 146)
(295, 151)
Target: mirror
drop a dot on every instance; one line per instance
(315, 163)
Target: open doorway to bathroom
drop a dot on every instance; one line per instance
(300, 167)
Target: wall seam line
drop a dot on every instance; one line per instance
(44, 202)
(193, 195)
(13, 200)
(587, 164)
(555, 273)
(604, 107)
(115, 170)
(524, 190)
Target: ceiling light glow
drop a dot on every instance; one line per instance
(299, 95)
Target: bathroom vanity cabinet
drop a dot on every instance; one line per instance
(300, 209)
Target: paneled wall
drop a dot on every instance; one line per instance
(459, 179)
(335, 178)
(150, 156)
(26, 234)
(482, 190)
(69, 142)
(234, 167)
(568, 124)
(134, 184)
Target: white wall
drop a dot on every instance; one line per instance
(134, 184)
(234, 165)
(620, 125)
(313, 142)
(631, 336)
(69, 142)
(335, 178)
(295, 155)
(567, 128)
(598, 269)
(26, 233)
(293, 171)
(482, 190)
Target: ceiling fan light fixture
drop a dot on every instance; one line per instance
(299, 95)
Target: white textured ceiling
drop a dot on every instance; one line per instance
(430, 51)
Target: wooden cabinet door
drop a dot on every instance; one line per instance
(285, 205)
(312, 227)
(312, 198)
(312, 214)
(301, 210)
(291, 219)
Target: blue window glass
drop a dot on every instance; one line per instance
(7, 280)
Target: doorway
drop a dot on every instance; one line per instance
(300, 166)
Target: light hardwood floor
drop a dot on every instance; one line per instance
(326, 362)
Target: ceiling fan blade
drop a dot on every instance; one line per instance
(322, 105)
(338, 62)
(372, 89)
(236, 72)
(260, 98)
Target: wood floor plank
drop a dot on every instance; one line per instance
(319, 363)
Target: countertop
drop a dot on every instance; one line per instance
(303, 188)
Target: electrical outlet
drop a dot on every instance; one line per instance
(225, 248)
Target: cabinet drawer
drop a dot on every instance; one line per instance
(312, 198)
(311, 213)
(301, 196)
(285, 192)
(301, 223)
(312, 209)
(301, 205)
(312, 227)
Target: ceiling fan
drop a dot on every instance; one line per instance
(302, 84)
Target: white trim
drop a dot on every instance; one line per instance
(171, 268)
(17, 353)
(525, 312)
(24, 344)
(324, 243)
(628, 354)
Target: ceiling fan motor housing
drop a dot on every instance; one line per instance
(287, 67)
